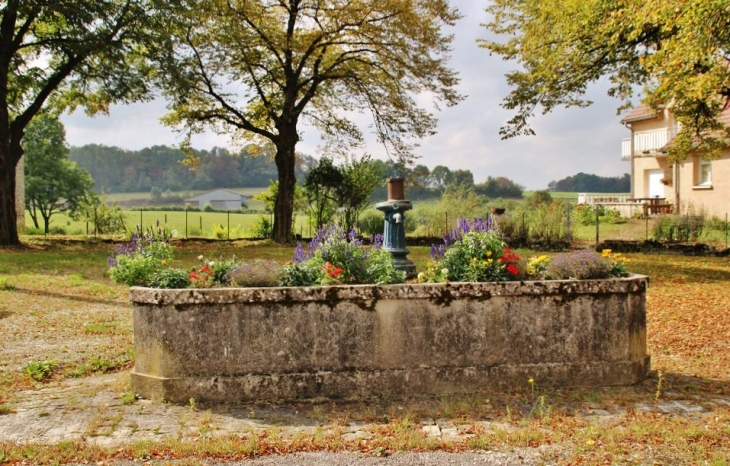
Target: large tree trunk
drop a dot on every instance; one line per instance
(9, 156)
(284, 207)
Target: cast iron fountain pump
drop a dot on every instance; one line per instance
(394, 231)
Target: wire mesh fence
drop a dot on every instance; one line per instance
(551, 225)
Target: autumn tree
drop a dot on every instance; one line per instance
(261, 68)
(677, 51)
(61, 54)
(53, 183)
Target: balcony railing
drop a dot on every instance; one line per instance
(647, 143)
(626, 149)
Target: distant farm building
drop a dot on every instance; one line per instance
(220, 199)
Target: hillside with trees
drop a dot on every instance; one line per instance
(163, 168)
(583, 182)
(117, 170)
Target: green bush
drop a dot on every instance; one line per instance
(585, 214)
(474, 252)
(678, 227)
(263, 228)
(337, 257)
(170, 278)
(370, 223)
(134, 263)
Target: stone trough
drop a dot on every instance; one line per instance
(247, 344)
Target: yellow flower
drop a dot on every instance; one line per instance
(489, 253)
(421, 277)
(606, 252)
(531, 381)
(163, 261)
(473, 259)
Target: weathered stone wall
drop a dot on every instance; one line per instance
(241, 344)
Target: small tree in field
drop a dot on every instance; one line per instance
(53, 183)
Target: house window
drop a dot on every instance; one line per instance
(704, 173)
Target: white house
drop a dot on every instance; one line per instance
(220, 199)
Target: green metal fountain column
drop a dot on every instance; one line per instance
(394, 231)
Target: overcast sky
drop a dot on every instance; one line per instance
(568, 141)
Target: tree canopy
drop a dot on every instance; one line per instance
(259, 68)
(677, 52)
(60, 54)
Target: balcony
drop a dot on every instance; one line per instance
(647, 143)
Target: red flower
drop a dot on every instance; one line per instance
(512, 269)
(331, 270)
(205, 270)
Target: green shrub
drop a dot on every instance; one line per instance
(678, 227)
(170, 278)
(134, 263)
(337, 257)
(263, 227)
(473, 252)
(370, 223)
(585, 214)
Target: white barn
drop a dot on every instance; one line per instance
(220, 199)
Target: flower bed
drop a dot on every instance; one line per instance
(479, 317)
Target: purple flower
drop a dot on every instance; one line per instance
(298, 254)
(377, 241)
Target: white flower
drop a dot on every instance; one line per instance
(200, 257)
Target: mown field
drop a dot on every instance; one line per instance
(58, 305)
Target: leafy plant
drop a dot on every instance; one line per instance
(263, 228)
(335, 256)
(678, 227)
(170, 278)
(585, 214)
(473, 252)
(135, 263)
(40, 370)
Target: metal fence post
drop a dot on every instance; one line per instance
(597, 239)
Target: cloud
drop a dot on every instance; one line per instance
(568, 141)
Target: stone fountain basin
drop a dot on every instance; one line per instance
(248, 344)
